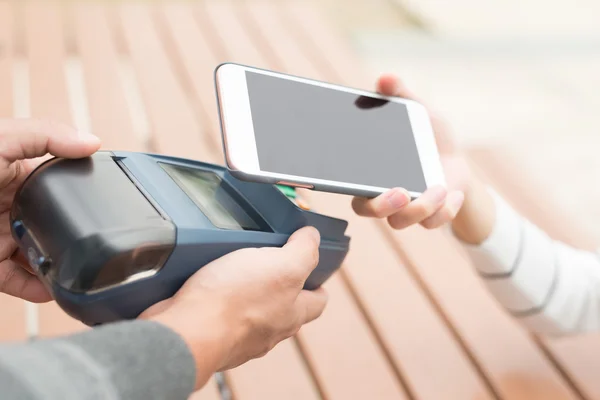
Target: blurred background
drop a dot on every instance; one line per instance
(524, 74)
(516, 78)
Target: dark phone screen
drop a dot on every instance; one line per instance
(317, 132)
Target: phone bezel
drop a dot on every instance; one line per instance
(240, 145)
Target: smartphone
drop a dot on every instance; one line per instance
(288, 130)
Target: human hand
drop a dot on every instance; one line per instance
(23, 143)
(436, 206)
(243, 304)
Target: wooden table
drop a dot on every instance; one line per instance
(408, 318)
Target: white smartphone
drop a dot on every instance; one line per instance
(283, 129)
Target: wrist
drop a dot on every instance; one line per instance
(475, 220)
(205, 335)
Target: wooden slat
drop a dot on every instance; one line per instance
(12, 318)
(579, 356)
(12, 310)
(6, 54)
(198, 63)
(219, 19)
(174, 126)
(498, 345)
(49, 99)
(345, 356)
(46, 53)
(326, 44)
(270, 29)
(109, 113)
(279, 375)
(264, 378)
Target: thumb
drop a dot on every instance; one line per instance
(307, 233)
(310, 304)
(29, 138)
(302, 251)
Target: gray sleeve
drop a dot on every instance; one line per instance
(125, 360)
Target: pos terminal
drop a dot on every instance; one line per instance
(112, 234)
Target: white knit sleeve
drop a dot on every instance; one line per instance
(550, 287)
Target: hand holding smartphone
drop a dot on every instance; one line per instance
(294, 131)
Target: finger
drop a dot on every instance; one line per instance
(301, 252)
(20, 259)
(423, 207)
(447, 213)
(391, 85)
(383, 205)
(29, 138)
(17, 282)
(310, 304)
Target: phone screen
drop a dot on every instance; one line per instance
(316, 132)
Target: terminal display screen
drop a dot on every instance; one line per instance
(212, 196)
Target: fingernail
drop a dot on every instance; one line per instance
(457, 200)
(398, 198)
(88, 137)
(394, 88)
(438, 194)
(315, 234)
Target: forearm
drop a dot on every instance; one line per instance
(129, 360)
(548, 286)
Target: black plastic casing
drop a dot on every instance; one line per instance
(57, 218)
